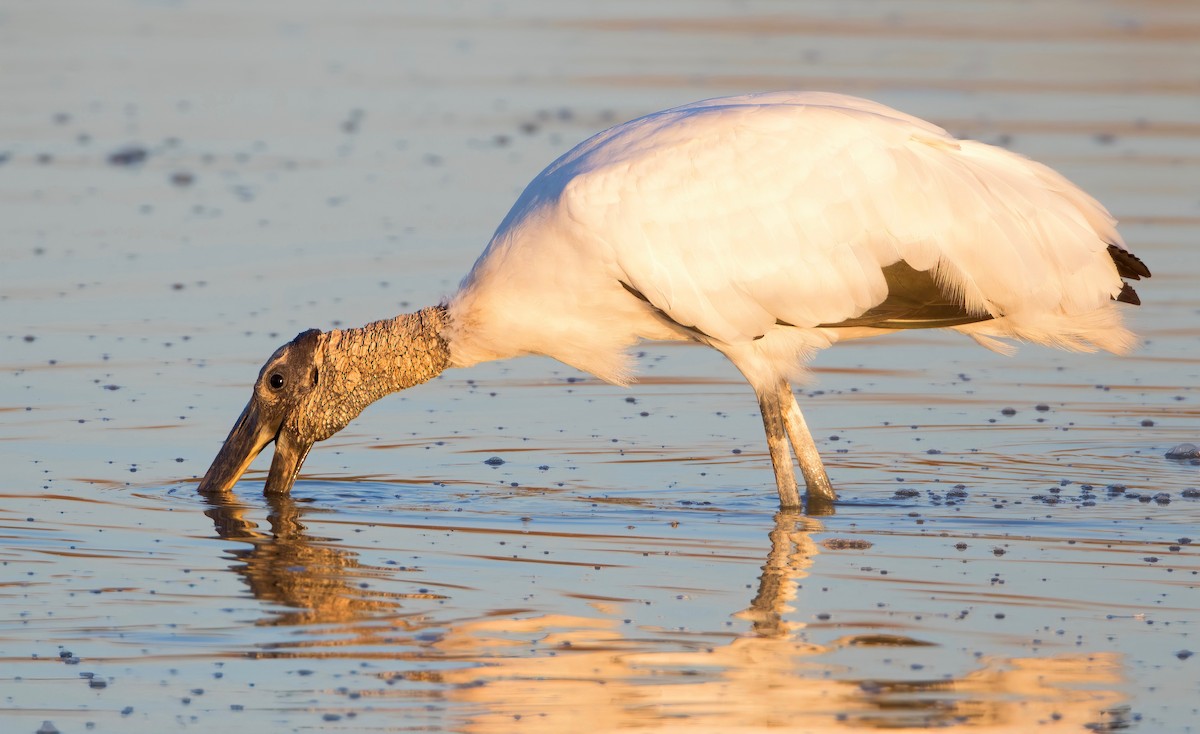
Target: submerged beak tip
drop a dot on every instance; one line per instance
(290, 452)
(245, 442)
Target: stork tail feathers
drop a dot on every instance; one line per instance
(1099, 329)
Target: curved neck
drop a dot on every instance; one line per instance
(363, 365)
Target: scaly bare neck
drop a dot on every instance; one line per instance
(363, 365)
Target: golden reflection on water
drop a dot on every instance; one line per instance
(792, 551)
(305, 573)
(761, 683)
(563, 672)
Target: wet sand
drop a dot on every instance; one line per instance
(184, 187)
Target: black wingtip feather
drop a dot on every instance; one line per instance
(1128, 264)
(1128, 295)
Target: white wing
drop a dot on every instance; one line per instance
(733, 215)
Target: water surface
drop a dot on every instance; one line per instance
(185, 186)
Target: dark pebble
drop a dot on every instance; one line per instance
(847, 544)
(130, 155)
(1183, 451)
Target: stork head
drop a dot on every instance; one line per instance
(286, 407)
(314, 385)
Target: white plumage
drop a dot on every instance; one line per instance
(761, 224)
(767, 226)
(731, 214)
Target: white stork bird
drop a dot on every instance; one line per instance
(766, 226)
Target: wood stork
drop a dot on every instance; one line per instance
(766, 226)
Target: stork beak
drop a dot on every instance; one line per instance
(290, 453)
(249, 436)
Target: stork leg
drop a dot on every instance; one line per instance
(773, 421)
(811, 467)
(815, 476)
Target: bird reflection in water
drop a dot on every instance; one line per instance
(557, 672)
(590, 674)
(791, 552)
(317, 581)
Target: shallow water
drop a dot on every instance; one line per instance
(626, 565)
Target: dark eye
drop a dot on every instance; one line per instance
(275, 381)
